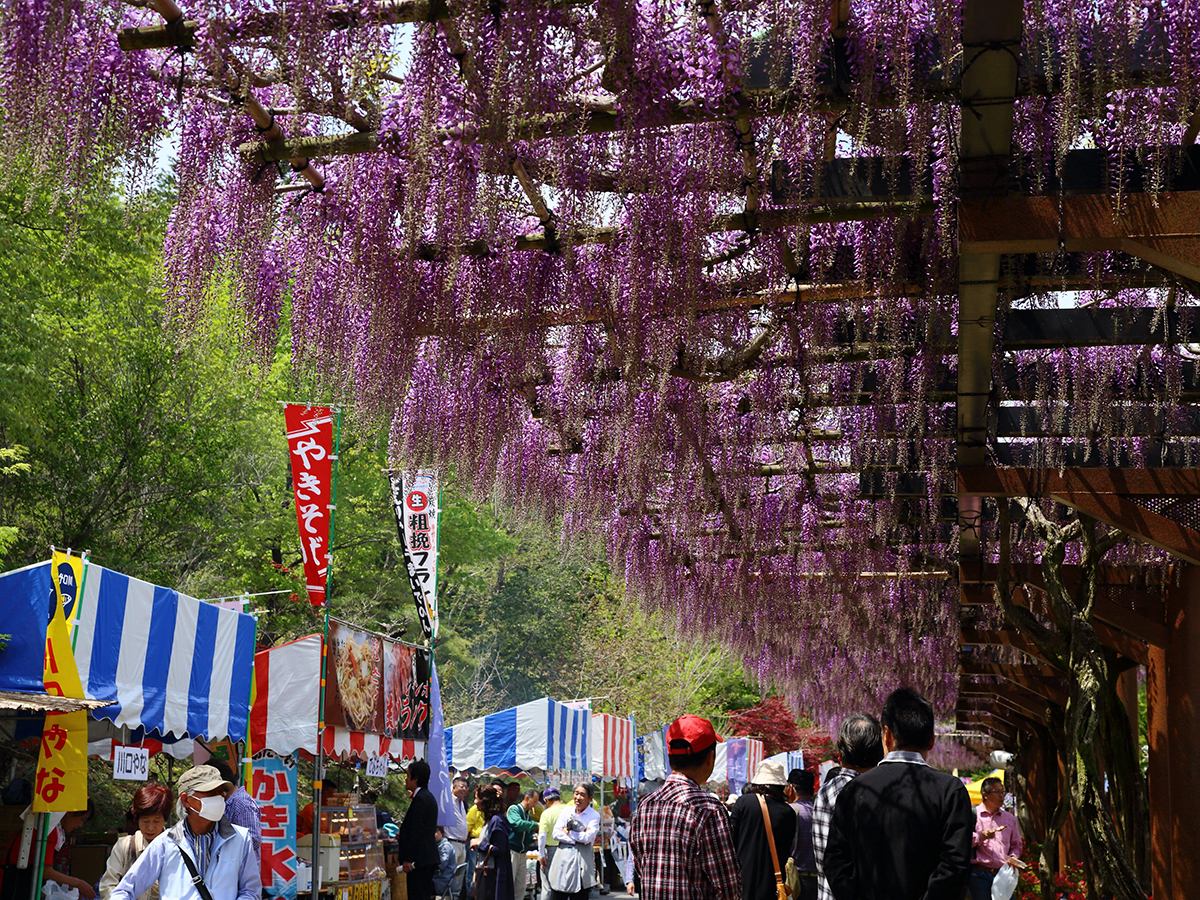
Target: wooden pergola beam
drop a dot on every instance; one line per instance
(994, 728)
(1050, 329)
(1136, 521)
(1160, 229)
(978, 705)
(979, 572)
(1031, 678)
(983, 702)
(980, 720)
(999, 736)
(989, 481)
(976, 637)
(1101, 496)
(1020, 698)
(1128, 420)
(1128, 646)
(1142, 627)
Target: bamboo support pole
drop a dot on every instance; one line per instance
(602, 118)
(767, 220)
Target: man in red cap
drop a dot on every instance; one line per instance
(682, 846)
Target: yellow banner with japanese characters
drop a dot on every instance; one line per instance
(61, 783)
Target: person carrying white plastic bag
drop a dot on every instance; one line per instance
(996, 844)
(1004, 883)
(52, 890)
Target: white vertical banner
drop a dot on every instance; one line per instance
(415, 500)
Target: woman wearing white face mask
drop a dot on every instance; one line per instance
(203, 843)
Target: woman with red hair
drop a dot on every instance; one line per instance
(148, 816)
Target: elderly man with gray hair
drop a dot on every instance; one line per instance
(860, 748)
(203, 856)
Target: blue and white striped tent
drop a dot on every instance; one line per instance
(790, 759)
(735, 762)
(175, 666)
(538, 737)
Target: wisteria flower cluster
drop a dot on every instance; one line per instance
(682, 276)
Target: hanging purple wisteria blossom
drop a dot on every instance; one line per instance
(681, 277)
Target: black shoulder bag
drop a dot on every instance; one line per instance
(197, 880)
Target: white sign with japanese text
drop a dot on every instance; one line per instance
(377, 766)
(131, 763)
(415, 499)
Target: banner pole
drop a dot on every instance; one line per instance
(319, 758)
(247, 750)
(603, 884)
(79, 601)
(39, 834)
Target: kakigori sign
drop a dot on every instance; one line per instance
(375, 685)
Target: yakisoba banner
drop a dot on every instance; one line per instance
(415, 500)
(310, 448)
(375, 685)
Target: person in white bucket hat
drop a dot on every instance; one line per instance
(761, 802)
(203, 856)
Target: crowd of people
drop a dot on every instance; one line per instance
(883, 824)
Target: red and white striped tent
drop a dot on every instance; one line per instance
(283, 712)
(614, 746)
(343, 744)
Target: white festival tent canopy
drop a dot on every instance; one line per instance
(737, 760)
(545, 738)
(614, 746)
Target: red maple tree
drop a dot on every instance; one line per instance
(773, 722)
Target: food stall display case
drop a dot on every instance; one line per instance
(354, 823)
(360, 849)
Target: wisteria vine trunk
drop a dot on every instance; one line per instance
(1104, 790)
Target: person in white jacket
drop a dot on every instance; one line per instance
(573, 872)
(220, 851)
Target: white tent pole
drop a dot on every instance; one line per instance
(603, 884)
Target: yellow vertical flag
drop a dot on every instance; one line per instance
(61, 783)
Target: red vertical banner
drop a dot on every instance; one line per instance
(310, 446)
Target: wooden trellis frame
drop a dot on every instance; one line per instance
(1163, 232)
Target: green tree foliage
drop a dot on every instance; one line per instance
(135, 445)
(161, 450)
(637, 664)
(11, 465)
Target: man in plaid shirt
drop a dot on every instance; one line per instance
(682, 846)
(860, 747)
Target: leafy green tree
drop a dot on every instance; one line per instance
(638, 664)
(136, 445)
(11, 465)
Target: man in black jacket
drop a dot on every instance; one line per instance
(418, 846)
(902, 830)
